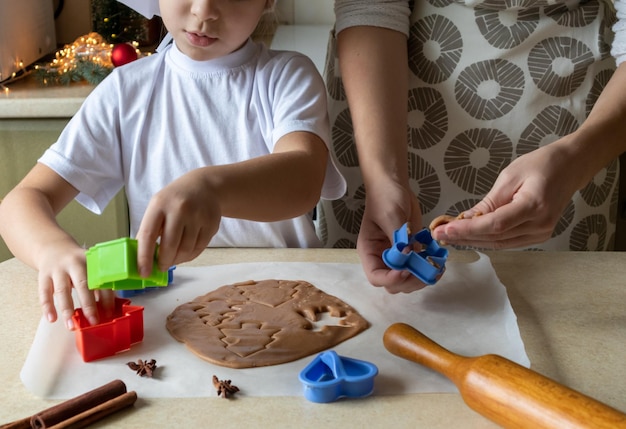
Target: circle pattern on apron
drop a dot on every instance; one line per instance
(342, 136)
(598, 190)
(489, 89)
(349, 212)
(433, 126)
(599, 83)
(589, 234)
(504, 31)
(490, 80)
(476, 157)
(582, 16)
(428, 185)
(552, 121)
(558, 65)
(435, 47)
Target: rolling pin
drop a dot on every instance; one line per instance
(501, 390)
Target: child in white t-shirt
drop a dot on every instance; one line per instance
(216, 141)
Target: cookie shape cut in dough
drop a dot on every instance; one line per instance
(262, 323)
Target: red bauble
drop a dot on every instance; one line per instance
(123, 53)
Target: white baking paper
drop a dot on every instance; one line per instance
(467, 311)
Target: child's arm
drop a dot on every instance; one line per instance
(30, 230)
(186, 214)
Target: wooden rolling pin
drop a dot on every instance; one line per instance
(501, 390)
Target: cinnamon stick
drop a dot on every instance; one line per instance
(98, 412)
(72, 407)
(18, 424)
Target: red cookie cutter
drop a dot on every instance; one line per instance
(110, 336)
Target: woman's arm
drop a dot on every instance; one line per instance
(374, 69)
(529, 196)
(372, 51)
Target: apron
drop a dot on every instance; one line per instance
(488, 82)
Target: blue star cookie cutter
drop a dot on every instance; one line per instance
(427, 263)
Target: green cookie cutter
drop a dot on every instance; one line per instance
(113, 265)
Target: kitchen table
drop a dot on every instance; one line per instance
(571, 309)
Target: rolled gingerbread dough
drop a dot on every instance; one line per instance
(261, 323)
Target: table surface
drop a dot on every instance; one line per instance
(27, 98)
(571, 313)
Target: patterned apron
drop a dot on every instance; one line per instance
(489, 82)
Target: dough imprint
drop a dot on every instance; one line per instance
(261, 323)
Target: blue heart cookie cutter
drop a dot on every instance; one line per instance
(330, 377)
(427, 264)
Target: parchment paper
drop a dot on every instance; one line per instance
(467, 311)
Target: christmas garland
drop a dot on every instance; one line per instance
(88, 58)
(81, 70)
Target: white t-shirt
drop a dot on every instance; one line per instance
(159, 117)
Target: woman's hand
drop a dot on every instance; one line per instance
(387, 208)
(524, 204)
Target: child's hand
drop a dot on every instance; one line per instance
(32, 233)
(62, 268)
(185, 215)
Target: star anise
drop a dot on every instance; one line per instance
(224, 388)
(143, 368)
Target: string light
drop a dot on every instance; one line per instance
(20, 72)
(72, 61)
(87, 58)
